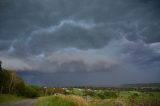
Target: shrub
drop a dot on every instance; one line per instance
(26, 91)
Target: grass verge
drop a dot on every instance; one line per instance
(61, 100)
(7, 98)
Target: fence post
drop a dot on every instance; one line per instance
(87, 99)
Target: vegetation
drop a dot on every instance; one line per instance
(61, 100)
(10, 83)
(122, 98)
(144, 99)
(13, 88)
(7, 98)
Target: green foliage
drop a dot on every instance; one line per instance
(134, 95)
(10, 83)
(90, 93)
(61, 100)
(4, 81)
(110, 94)
(143, 100)
(6, 98)
(107, 95)
(26, 91)
(101, 96)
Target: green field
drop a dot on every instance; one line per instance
(7, 98)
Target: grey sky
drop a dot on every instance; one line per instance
(120, 38)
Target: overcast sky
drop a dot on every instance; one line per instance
(103, 41)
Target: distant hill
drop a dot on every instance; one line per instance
(142, 85)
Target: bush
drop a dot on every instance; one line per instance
(26, 91)
(107, 95)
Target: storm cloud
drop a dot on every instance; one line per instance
(119, 38)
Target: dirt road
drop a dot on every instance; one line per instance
(28, 102)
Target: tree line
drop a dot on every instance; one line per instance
(11, 83)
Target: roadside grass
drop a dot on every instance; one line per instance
(7, 98)
(61, 100)
(72, 100)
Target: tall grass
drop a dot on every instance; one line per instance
(126, 98)
(107, 102)
(61, 100)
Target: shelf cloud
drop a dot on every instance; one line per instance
(82, 36)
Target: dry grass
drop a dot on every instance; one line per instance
(77, 100)
(107, 102)
(61, 100)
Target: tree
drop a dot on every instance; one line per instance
(0, 65)
(4, 81)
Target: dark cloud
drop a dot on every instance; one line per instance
(81, 36)
(72, 36)
(101, 78)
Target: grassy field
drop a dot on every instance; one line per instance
(98, 97)
(6, 98)
(70, 100)
(140, 98)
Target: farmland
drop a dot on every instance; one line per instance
(102, 97)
